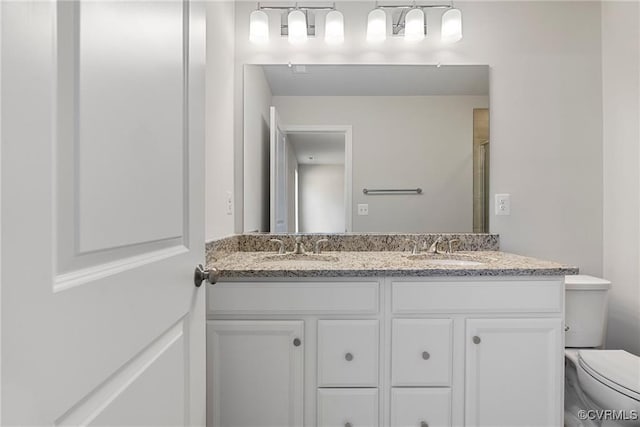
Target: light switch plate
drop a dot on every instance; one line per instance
(363, 209)
(503, 204)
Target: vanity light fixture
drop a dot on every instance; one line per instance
(409, 21)
(297, 23)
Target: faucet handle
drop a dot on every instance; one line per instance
(281, 247)
(450, 245)
(316, 247)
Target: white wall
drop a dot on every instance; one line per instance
(621, 138)
(321, 203)
(219, 150)
(546, 108)
(256, 150)
(402, 142)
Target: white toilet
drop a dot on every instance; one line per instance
(602, 387)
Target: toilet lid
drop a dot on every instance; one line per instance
(615, 368)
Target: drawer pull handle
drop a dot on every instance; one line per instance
(476, 339)
(426, 355)
(348, 357)
(424, 424)
(297, 342)
(348, 424)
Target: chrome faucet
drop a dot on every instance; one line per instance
(299, 250)
(433, 249)
(281, 247)
(316, 247)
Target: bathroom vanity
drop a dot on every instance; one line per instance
(384, 338)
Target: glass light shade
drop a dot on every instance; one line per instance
(297, 22)
(334, 28)
(258, 27)
(451, 30)
(376, 26)
(414, 25)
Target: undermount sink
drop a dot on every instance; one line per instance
(299, 257)
(431, 260)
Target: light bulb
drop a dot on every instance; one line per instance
(451, 30)
(334, 28)
(414, 25)
(376, 26)
(297, 22)
(258, 27)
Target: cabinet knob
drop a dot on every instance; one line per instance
(348, 357)
(348, 424)
(424, 424)
(297, 342)
(566, 328)
(426, 355)
(476, 339)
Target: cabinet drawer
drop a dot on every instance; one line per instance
(293, 297)
(508, 296)
(420, 407)
(347, 407)
(421, 352)
(348, 353)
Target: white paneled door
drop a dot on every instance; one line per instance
(102, 130)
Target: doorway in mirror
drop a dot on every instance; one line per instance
(310, 178)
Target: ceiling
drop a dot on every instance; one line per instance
(377, 80)
(318, 148)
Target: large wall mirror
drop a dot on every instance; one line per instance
(366, 148)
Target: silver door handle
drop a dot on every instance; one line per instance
(200, 275)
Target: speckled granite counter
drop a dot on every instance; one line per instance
(382, 263)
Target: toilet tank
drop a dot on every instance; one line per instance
(585, 310)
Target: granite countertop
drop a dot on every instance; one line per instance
(238, 264)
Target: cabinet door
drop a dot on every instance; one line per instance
(514, 372)
(420, 407)
(348, 407)
(255, 373)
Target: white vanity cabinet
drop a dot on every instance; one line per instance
(401, 352)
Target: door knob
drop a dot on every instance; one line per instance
(200, 275)
(476, 340)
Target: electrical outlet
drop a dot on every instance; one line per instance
(503, 204)
(229, 203)
(363, 209)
